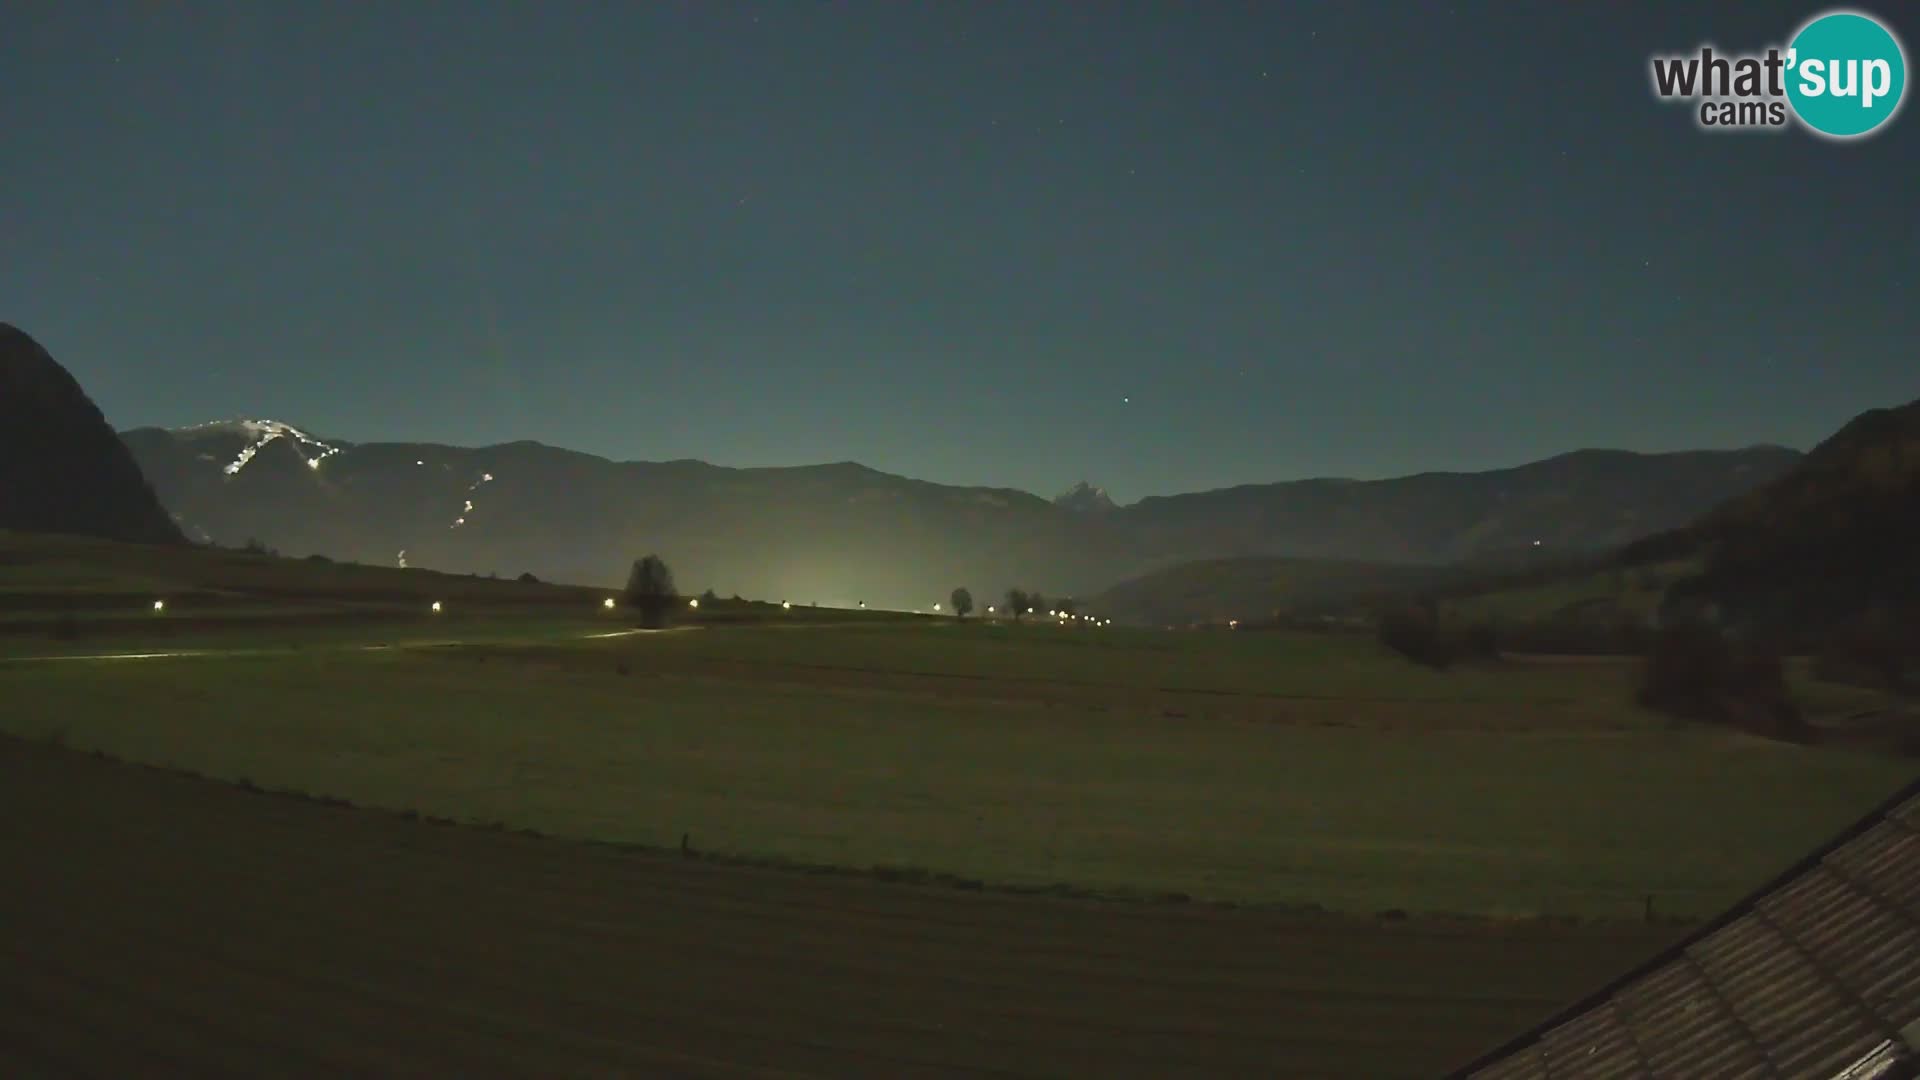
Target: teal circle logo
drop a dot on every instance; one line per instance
(1846, 74)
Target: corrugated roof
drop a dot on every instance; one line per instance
(1808, 977)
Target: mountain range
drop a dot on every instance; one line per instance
(844, 533)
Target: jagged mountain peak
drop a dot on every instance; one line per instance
(1084, 497)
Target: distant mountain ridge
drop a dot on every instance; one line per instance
(843, 533)
(1830, 545)
(62, 470)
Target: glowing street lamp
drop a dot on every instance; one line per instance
(159, 605)
(786, 605)
(989, 609)
(436, 607)
(607, 603)
(694, 603)
(936, 607)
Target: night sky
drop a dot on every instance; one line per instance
(1161, 247)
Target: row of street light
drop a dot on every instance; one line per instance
(785, 605)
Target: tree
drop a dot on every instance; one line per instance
(527, 578)
(1037, 601)
(962, 602)
(1066, 606)
(709, 598)
(1018, 602)
(650, 590)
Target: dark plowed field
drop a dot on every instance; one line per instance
(153, 923)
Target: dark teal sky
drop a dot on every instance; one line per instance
(949, 240)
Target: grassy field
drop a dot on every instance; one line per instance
(1266, 768)
(1217, 590)
(1602, 595)
(1276, 771)
(180, 927)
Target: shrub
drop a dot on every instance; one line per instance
(527, 578)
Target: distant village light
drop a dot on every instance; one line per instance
(436, 605)
(607, 603)
(159, 605)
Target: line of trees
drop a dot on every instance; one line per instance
(650, 591)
